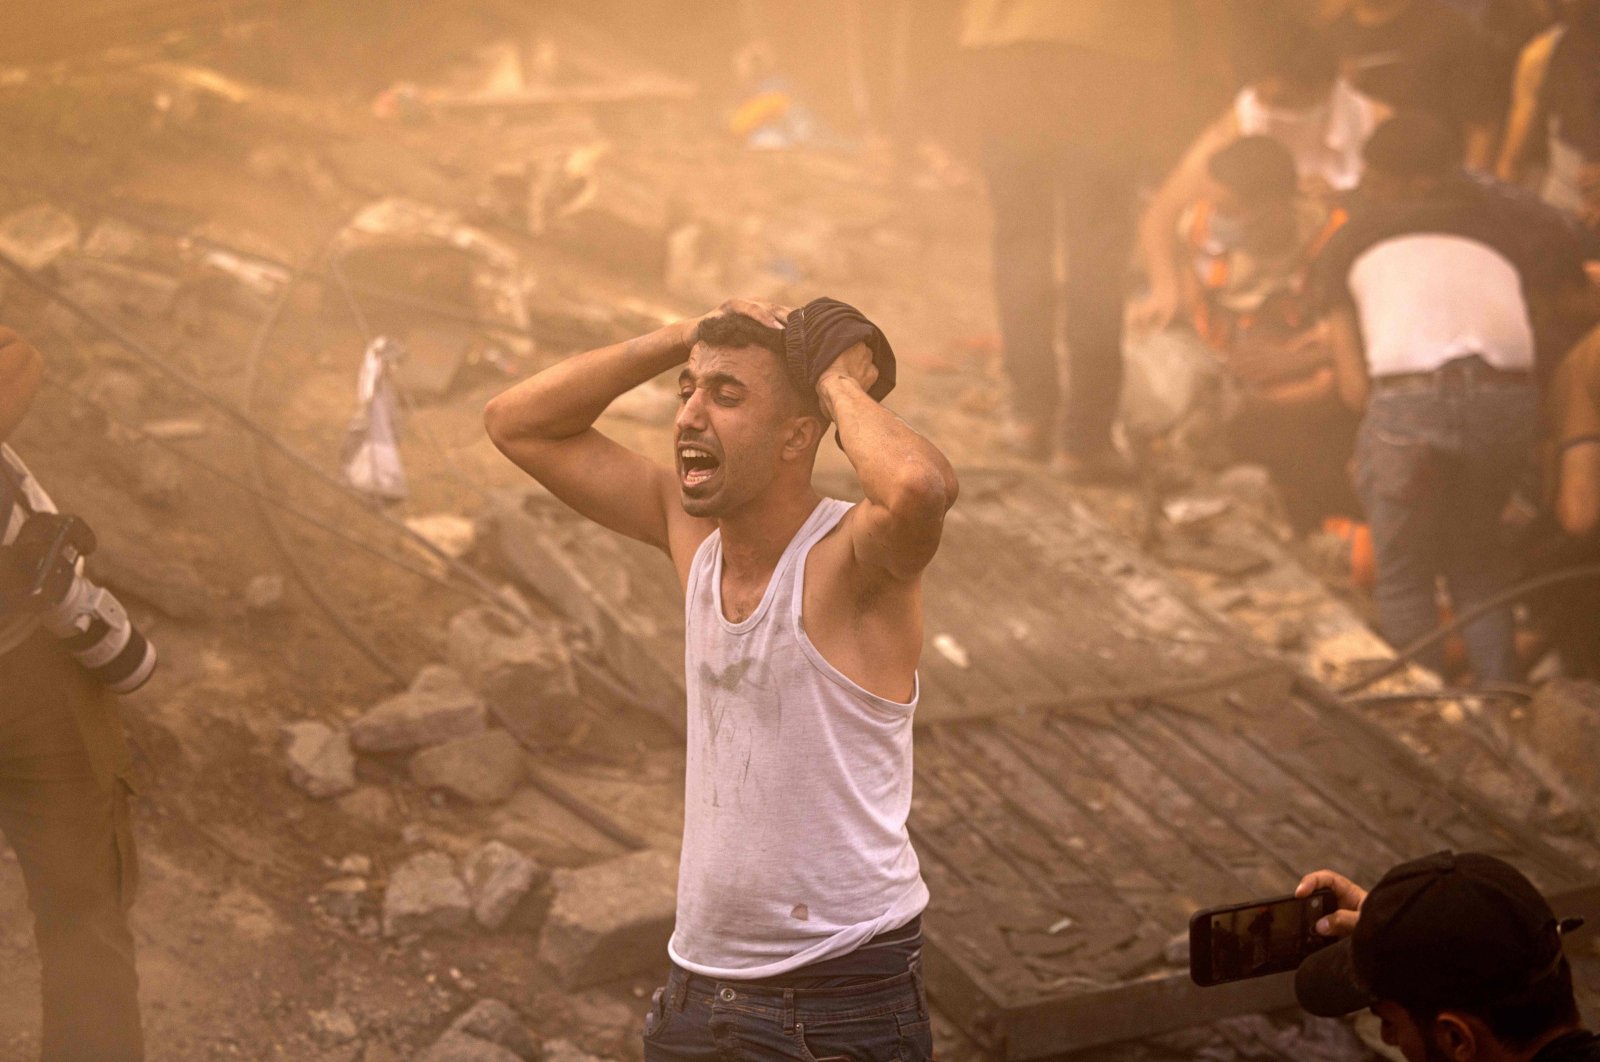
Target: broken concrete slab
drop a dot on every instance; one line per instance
(484, 768)
(612, 919)
(496, 1023)
(370, 806)
(438, 707)
(424, 895)
(524, 675)
(37, 235)
(459, 1047)
(499, 876)
(320, 760)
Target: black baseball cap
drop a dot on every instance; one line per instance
(1446, 930)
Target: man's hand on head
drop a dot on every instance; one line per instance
(21, 370)
(1346, 893)
(853, 366)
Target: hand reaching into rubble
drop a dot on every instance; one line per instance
(21, 370)
(1346, 893)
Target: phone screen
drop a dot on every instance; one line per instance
(1253, 940)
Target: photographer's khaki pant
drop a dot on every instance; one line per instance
(64, 811)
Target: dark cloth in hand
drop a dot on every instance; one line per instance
(821, 330)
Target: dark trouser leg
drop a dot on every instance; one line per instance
(1306, 447)
(1098, 210)
(66, 827)
(1497, 425)
(1023, 187)
(1401, 483)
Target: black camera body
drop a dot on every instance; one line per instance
(41, 560)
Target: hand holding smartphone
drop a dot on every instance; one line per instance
(1258, 938)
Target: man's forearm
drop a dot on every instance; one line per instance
(566, 399)
(896, 466)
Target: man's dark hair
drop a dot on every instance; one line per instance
(736, 330)
(1256, 169)
(1523, 1019)
(1414, 145)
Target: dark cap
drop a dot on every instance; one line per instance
(1445, 930)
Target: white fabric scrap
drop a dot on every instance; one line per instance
(371, 452)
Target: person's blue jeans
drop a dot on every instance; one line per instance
(1437, 459)
(696, 1019)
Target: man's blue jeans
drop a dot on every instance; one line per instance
(695, 1019)
(1437, 459)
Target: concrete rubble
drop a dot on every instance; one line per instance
(611, 919)
(320, 760)
(425, 894)
(499, 876)
(438, 707)
(484, 768)
(494, 1022)
(524, 675)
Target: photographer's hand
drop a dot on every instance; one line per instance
(21, 371)
(1347, 894)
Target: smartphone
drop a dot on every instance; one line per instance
(1257, 938)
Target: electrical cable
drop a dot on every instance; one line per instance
(142, 353)
(1409, 653)
(263, 496)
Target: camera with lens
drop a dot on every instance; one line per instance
(41, 562)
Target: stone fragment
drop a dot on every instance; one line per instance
(525, 676)
(334, 1026)
(369, 805)
(320, 760)
(438, 707)
(452, 535)
(498, 877)
(459, 1047)
(159, 480)
(494, 1021)
(567, 1051)
(171, 587)
(612, 919)
(37, 235)
(264, 594)
(425, 894)
(484, 768)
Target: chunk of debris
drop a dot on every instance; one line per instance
(452, 535)
(483, 768)
(438, 707)
(37, 235)
(334, 1026)
(612, 919)
(369, 805)
(320, 760)
(175, 430)
(159, 478)
(567, 1051)
(425, 894)
(458, 1047)
(498, 876)
(171, 587)
(524, 675)
(497, 1023)
(264, 594)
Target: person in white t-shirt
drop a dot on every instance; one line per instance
(1432, 292)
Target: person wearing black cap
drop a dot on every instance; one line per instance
(800, 897)
(1459, 957)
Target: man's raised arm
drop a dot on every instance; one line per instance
(909, 484)
(21, 370)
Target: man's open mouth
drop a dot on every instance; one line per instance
(697, 465)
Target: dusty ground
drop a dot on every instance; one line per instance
(236, 951)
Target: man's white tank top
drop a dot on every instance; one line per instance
(795, 846)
